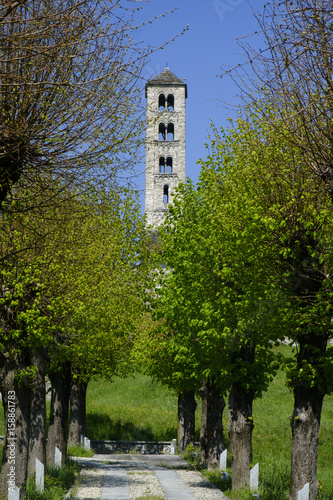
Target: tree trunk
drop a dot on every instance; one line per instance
(240, 434)
(37, 442)
(312, 342)
(305, 426)
(186, 419)
(58, 428)
(211, 432)
(16, 402)
(77, 415)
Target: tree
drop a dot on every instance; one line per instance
(105, 283)
(69, 95)
(292, 74)
(186, 419)
(248, 302)
(248, 259)
(292, 71)
(105, 326)
(155, 354)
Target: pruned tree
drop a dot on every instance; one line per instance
(271, 200)
(105, 325)
(287, 80)
(289, 67)
(69, 94)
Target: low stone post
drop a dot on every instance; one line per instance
(39, 476)
(173, 447)
(13, 493)
(57, 457)
(254, 478)
(304, 493)
(86, 443)
(223, 460)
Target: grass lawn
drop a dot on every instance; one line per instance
(135, 408)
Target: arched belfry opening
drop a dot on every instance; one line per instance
(166, 194)
(169, 165)
(170, 132)
(161, 102)
(162, 132)
(165, 143)
(171, 102)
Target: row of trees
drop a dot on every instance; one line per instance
(246, 255)
(69, 305)
(73, 247)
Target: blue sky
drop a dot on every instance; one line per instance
(197, 57)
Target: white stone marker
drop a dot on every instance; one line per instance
(173, 447)
(39, 476)
(57, 457)
(13, 493)
(86, 443)
(304, 493)
(82, 440)
(223, 460)
(254, 478)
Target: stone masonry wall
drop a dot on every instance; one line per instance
(141, 447)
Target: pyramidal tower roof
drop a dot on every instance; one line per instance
(166, 78)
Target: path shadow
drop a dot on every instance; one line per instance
(102, 427)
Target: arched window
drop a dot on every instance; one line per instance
(162, 165)
(161, 102)
(170, 102)
(170, 132)
(166, 194)
(169, 165)
(161, 132)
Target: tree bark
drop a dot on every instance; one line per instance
(16, 439)
(186, 419)
(58, 428)
(37, 442)
(211, 432)
(240, 434)
(305, 424)
(77, 414)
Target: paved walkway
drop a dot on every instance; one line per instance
(131, 477)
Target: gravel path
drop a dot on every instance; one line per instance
(134, 477)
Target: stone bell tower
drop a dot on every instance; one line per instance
(165, 143)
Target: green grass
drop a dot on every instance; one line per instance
(78, 451)
(131, 409)
(149, 497)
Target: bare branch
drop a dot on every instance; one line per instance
(70, 107)
(8, 8)
(288, 68)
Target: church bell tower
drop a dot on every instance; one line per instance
(165, 143)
